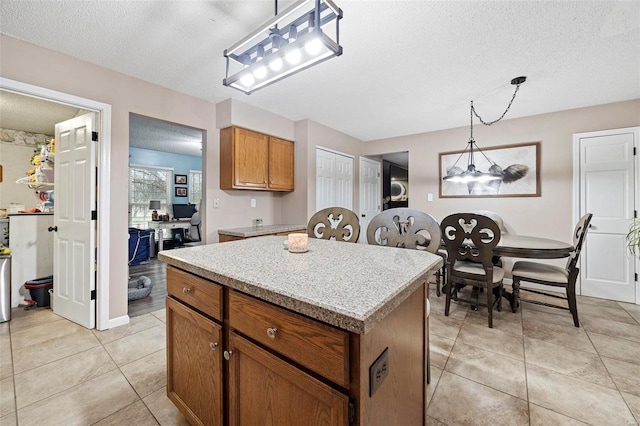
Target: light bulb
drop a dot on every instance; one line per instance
(276, 64)
(247, 80)
(260, 72)
(294, 56)
(313, 46)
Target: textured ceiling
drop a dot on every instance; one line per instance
(408, 66)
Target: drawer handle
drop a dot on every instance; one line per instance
(213, 345)
(227, 355)
(186, 290)
(271, 332)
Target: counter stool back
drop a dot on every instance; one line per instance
(334, 223)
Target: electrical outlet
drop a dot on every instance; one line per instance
(378, 371)
(429, 197)
(253, 202)
(216, 203)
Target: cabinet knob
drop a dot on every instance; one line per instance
(186, 290)
(227, 355)
(271, 332)
(213, 345)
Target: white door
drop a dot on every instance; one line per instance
(334, 180)
(344, 182)
(370, 196)
(74, 242)
(607, 188)
(325, 172)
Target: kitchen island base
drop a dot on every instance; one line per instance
(234, 359)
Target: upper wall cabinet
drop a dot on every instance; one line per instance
(252, 160)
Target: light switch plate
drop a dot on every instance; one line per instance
(253, 202)
(429, 197)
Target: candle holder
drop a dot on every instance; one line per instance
(298, 243)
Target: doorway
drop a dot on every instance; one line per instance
(165, 172)
(606, 185)
(101, 320)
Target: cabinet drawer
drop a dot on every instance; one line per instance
(195, 291)
(312, 344)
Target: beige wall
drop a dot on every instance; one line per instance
(549, 215)
(40, 67)
(301, 205)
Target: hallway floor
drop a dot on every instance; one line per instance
(533, 368)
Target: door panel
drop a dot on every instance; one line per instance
(74, 242)
(607, 190)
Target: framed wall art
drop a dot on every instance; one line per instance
(519, 165)
(180, 179)
(181, 192)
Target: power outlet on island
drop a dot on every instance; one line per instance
(378, 371)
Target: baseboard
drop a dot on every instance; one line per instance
(117, 322)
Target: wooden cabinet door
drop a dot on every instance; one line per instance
(250, 151)
(263, 386)
(281, 162)
(194, 364)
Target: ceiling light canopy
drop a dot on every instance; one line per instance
(291, 41)
(455, 174)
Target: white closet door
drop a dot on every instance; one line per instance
(325, 178)
(344, 182)
(334, 180)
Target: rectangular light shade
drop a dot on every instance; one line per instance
(291, 42)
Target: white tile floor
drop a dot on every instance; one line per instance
(533, 368)
(54, 372)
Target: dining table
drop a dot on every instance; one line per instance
(522, 246)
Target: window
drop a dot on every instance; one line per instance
(195, 186)
(148, 183)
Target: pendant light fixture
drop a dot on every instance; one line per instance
(455, 174)
(292, 41)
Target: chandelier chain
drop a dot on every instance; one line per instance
(473, 110)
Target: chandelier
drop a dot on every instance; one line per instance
(290, 42)
(472, 174)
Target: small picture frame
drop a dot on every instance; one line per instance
(180, 179)
(181, 192)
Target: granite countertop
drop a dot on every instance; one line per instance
(256, 231)
(351, 286)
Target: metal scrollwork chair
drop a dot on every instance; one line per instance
(555, 276)
(334, 222)
(470, 239)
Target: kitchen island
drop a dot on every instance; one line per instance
(337, 335)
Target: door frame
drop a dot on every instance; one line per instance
(103, 162)
(576, 182)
